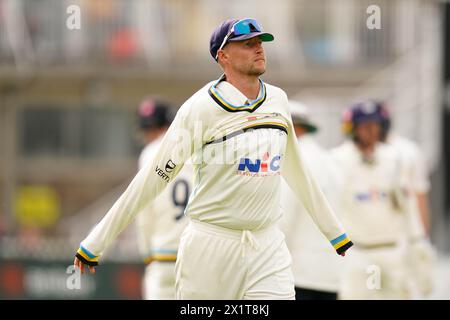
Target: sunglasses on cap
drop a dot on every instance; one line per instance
(241, 27)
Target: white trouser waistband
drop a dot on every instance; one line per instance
(246, 237)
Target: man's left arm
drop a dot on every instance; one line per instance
(306, 188)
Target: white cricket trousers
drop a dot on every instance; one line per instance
(216, 263)
(159, 281)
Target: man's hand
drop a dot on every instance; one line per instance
(79, 264)
(343, 254)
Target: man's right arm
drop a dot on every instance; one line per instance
(176, 147)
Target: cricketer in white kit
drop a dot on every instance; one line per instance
(374, 211)
(240, 148)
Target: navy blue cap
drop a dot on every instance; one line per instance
(366, 111)
(224, 28)
(154, 113)
(385, 120)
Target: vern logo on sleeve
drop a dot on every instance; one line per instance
(170, 166)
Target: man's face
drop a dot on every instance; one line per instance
(368, 133)
(246, 57)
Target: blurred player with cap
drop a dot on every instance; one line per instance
(239, 132)
(161, 222)
(315, 266)
(373, 209)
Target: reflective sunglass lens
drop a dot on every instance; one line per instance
(246, 26)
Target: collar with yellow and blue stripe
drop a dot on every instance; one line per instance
(251, 105)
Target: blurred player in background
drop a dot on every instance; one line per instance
(315, 265)
(160, 224)
(417, 184)
(239, 132)
(373, 209)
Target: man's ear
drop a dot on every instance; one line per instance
(222, 56)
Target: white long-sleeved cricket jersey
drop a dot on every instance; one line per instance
(366, 201)
(161, 222)
(239, 149)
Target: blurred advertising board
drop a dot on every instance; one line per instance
(32, 279)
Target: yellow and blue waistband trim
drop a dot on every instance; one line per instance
(341, 243)
(161, 255)
(86, 256)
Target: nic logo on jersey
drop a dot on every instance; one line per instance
(260, 167)
(372, 195)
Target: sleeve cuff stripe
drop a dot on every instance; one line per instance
(342, 243)
(338, 239)
(87, 252)
(88, 262)
(86, 257)
(344, 247)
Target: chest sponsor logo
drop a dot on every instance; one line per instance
(267, 166)
(371, 195)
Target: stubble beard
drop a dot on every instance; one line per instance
(251, 70)
(256, 72)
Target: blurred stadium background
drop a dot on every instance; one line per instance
(68, 99)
